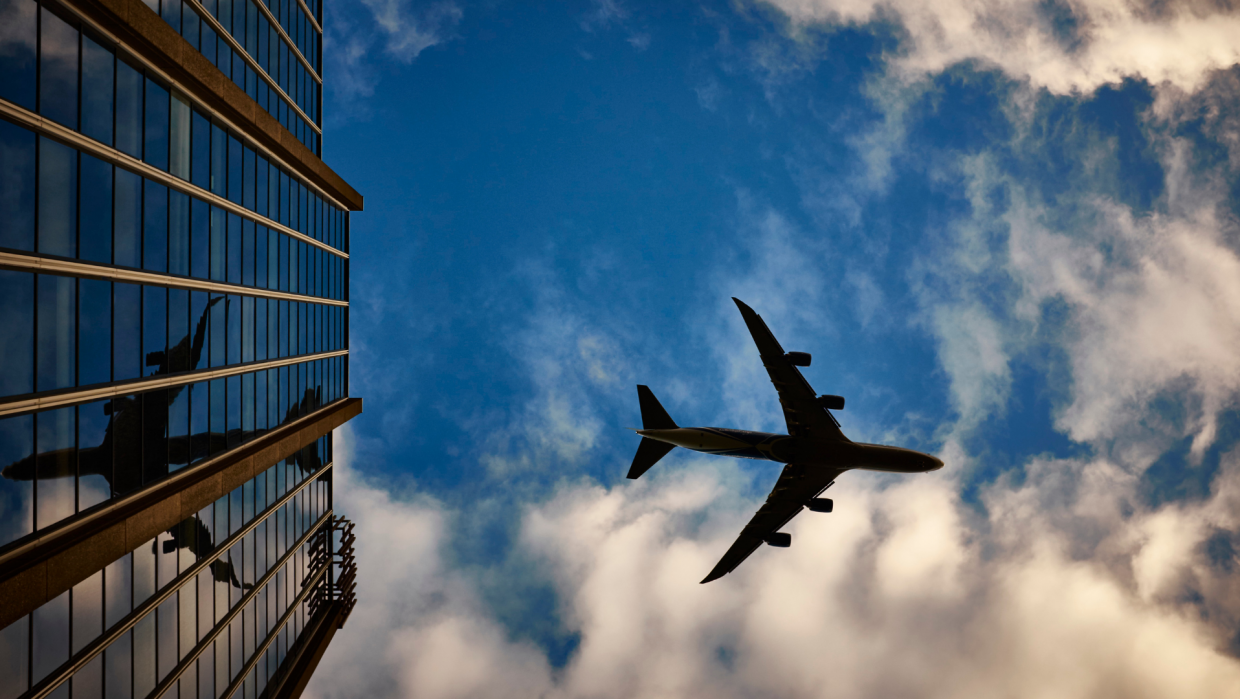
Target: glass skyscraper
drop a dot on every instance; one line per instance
(173, 350)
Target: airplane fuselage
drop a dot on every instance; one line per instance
(784, 448)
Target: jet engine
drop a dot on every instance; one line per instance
(779, 540)
(831, 402)
(820, 505)
(799, 358)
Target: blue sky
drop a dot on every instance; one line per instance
(1008, 234)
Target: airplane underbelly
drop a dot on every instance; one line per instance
(744, 445)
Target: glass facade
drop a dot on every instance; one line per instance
(210, 605)
(170, 291)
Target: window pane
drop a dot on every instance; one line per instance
(233, 306)
(179, 134)
(217, 418)
(50, 624)
(127, 445)
(57, 317)
(234, 170)
(128, 109)
(117, 662)
(260, 256)
(58, 70)
(98, 69)
(200, 166)
(200, 237)
(198, 427)
(178, 428)
(260, 329)
(218, 307)
(126, 317)
(17, 174)
(247, 252)
(95, 226)
(218, 236)
(17, 60)
(94, 454)
(127, 215)
(17, 340)
(178, 233)
(154, 435)
(249, 176)
(156, 152)
(94, 331)
(198, 315)
(155, 329)
(247, 328)
(57, 199)
(55, 432)
(234, 249)
(178, 330)
(219, 154)
(17, 486)
(155, 228)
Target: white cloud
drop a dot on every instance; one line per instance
(1065, 46)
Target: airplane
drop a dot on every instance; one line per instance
(815, 451)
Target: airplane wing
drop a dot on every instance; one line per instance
(797, 485)
(805, 417)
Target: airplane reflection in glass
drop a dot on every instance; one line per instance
(815, 450)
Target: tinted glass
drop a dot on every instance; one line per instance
(179, 340)
(50, 636)
(200, 238)
(200, 165)
(156, 151)
(247, 252)
(179, 451)
(126, 328)
(219, 160)
(55, 360)
(218, 243)
(55, 434)
(127, 217)
(57, 199)
(234, 170)
(178, 233)
(94, 331)
(127, 447)
(154, 330)
(179, 136)
(98, 69)
(200, 318)
(17, 60)
(128, 109)
(154, 435)
(234, 249)
(217, 330)
(58, 70)
(155, 227)
(233, 333)
(17, 173)
(94, 454)
(95, 224)
(198, 414)
(17, 488)
(260, 256)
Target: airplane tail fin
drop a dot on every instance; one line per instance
(654, 417)
(648, 454)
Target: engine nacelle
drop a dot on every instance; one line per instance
(820, 505)
(831, 402)
(779, 540)
(799, 358)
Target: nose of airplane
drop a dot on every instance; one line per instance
(934, 463)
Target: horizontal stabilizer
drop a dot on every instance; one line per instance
(648, 454)
(654, 417)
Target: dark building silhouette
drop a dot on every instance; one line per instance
(173, 350)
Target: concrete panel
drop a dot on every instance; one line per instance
(199, 495)
(22, 594)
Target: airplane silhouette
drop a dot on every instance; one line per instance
(815, 450)
(190, 533)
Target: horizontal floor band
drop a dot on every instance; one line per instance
(153, 383)
(50, 129)
(90, 270)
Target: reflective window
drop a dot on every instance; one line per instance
(94, 331)
(58, 69)
(55, 360)
(126, 331)
(57, 199)
(17, 340)
(17, 61)
(178, 233)
(179, 137)
(200, 237)
(127, 217)
(56, 465)
(154, 330)
(155, 227)
(129, 109)
(94, 454)
(17, 171)
(95, 225)
(200, 161)
(17, 487)
(156, 134)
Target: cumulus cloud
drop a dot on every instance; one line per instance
(1064, 46)
(903, 591)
